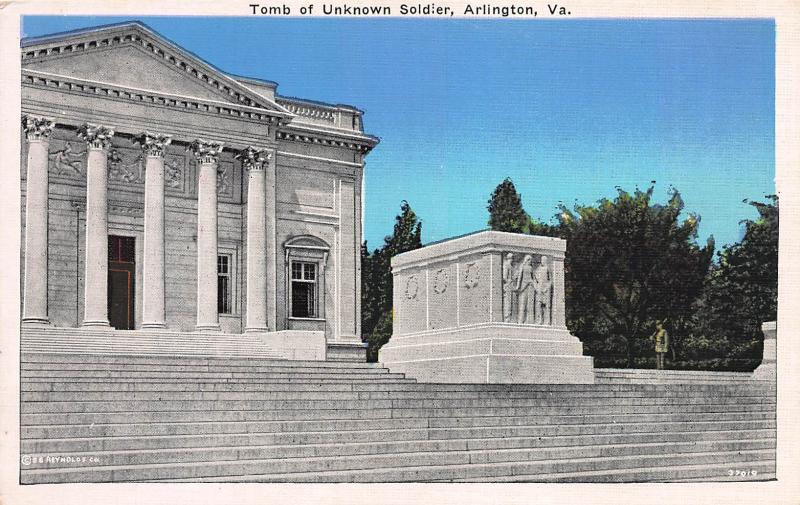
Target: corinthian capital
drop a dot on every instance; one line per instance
(153, 144)
(253, 158)
(37, 128)
(204, 151)
(96, 136)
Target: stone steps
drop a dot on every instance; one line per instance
(268, 426)
(76, 341)
(139, 417)
(405, 465)
(385, 384)
(40, 391)
(348, 380)
(363, 439)
(764, 470)
(295, 459)
(56, 361)
(200, 370)
(525, 471)
(644, 376)
(121, 374)
(203, 418)
(340, 409)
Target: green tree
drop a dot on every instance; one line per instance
(629, 263)
(741, 293)
(376, 279)
(505, 209)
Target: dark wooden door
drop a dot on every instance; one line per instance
(121, 275)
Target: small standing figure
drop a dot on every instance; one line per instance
(524, 289)
(661, 338)
(509, 287)
(542, 286)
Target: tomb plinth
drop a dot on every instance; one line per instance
(484, 308)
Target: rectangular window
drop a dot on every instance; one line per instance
(304, 289)
(224, 284)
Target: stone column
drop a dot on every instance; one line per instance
(153, 312)
(37, 133)
(253, 161)
(270, 177)
(98, 140)
(207, 155)
(346, 263)
(557, 307)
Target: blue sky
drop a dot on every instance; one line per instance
(568, 109)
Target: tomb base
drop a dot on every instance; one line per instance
(494, 353)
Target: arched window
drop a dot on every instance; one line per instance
(306, 257)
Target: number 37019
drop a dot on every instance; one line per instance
(742, 473)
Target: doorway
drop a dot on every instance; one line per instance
(121, 276)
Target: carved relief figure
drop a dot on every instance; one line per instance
(224, 184)
(542, 286)
(119, 171)
(524, 290)
(68, 162)
(509, 288)
(172, 174)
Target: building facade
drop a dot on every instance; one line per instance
(161, 194)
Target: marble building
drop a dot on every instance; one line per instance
(161, 194)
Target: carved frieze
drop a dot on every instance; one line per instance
(115, 208)
(174, 170)
(225, 179)
(125, 166)
(412, 287)
(441, 280)
(472, 275)
(66, 160)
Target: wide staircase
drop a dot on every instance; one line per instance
(111, 418)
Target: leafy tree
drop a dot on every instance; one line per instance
(741, 293)
(376, 279)
(629, 263)
(505, 209)
(536, 227)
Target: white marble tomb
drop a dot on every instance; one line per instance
(484, 308)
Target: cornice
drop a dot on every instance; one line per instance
(296, 132)
(46, 80)
(312, 138)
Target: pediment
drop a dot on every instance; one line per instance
(306, 242)
(134, 56)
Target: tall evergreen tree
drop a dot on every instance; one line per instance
(505, 209)
(376, 279)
